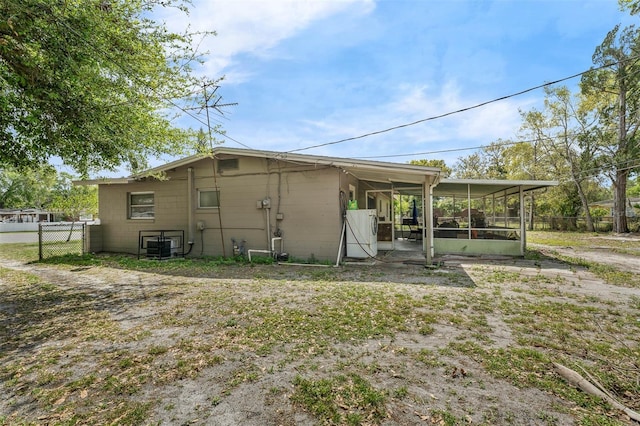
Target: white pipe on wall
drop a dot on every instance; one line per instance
(268, 216)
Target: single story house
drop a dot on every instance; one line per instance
(25, 216)
(631, 206)
(234, 201)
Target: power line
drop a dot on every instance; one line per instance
(440, 151)
(224, 135)
(435, 117)
(469, 148)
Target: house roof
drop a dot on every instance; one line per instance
(610, 202)
(377, 171)
(401, 174)
(486, 187)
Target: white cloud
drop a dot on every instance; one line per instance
(473, 128)
(253, 26)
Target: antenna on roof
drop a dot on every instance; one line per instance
(217, 105)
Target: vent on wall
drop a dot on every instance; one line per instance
(227, 164)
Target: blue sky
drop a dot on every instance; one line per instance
(312, 72)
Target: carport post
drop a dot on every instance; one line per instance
(427, 222)
(39, 241)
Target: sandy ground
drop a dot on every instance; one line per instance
(455, 384)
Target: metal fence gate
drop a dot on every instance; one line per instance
(58, 239)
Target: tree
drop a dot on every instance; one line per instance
(563, 132)
(90, 82)
(634, 189)
(470, 167)
(522, 163)
(27, 188)
(440, 164)
(73, 201)
(612, 89)
(488, 163)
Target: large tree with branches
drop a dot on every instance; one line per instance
(91, 82)
(612, 89)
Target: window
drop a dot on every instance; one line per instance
(227, 164)
(141, 205)
(208, 198)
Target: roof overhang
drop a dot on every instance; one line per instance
(482, 187)
(103, 181)
(375, 171)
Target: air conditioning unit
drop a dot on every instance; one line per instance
(159, 248)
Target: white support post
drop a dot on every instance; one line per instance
(427, 222)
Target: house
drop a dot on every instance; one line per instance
(632, 204)
(241, 201)
(25, 216)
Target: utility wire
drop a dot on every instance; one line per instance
(224, 135)
(498, 143)
(440, 151)
(435, 117)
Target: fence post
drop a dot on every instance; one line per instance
(39, 241)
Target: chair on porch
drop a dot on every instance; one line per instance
(415, 231)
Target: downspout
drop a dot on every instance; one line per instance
(190, 209)
(268, 216)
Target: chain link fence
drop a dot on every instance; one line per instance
(564, 223)
(58, 239)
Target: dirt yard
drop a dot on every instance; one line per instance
(470, 342)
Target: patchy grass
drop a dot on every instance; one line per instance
(341, 399)
(100, 340)
(600, 243)
(586, 240)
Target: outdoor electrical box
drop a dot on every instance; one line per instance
(263, 204)
(201, 225)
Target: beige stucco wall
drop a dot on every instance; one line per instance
(120, 234)
(307, 197)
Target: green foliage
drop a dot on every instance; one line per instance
(440, 164)
(488, 163)
(26, 188)
(598, 212)
(86, 81)
(633, 189)
(341, 399)
(611, 91)
(72, 200)
(44, 188)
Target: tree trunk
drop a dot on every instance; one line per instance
(622, 173)
(620, 202)
(585, 207)
(531, 212)
(71, 231)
